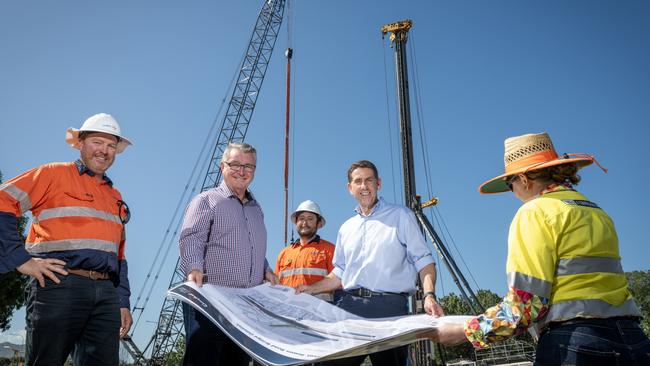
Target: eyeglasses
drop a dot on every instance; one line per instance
(236, 166)
(124, 212)
(511, 179)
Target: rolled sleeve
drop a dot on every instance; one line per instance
(417, 250)
(423, 262)
(338, 272)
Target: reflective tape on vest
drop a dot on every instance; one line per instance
(78, 211)
(589, 308)
(19, 195)
(530, 284)
(580, 265)
(303, 271)
(71, 244)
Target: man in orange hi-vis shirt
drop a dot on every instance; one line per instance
(309, 259)
(78, 296)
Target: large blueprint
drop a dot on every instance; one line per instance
(277, 327)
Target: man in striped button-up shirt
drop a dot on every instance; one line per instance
(223, 242)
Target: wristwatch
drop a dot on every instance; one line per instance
(430, 293)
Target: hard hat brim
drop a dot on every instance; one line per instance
(321, 222)
(72, 138)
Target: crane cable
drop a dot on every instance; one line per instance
(390, 129)
(433, 210)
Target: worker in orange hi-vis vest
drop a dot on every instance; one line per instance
(308, 259)
(78, 294)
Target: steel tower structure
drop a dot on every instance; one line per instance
(399, 35)
(233, 129)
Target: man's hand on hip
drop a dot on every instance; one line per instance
(41, 267)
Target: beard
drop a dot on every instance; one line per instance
(307, 232)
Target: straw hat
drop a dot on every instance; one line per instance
(530, 152)
(100, 122)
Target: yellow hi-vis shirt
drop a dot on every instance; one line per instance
(563, 247)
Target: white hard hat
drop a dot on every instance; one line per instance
(309, 206)
(100, 122)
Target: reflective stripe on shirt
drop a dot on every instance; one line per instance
(19, 195)
(71, 244)
(589, 308)
(76, 211)
(530, 284)
(565, 267)
(303, 271)
(577, 265)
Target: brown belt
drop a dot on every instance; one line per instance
(93, 275)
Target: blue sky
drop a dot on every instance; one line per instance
(483, 70)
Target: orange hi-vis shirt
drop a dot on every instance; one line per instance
(75, 218)
(72, 212)
(305, 264)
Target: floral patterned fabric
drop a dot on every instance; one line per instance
(512, 316)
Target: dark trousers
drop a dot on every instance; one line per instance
(79, 316)
(206, 344)
(596, 342)
(374, 307)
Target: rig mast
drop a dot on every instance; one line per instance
(398, 37)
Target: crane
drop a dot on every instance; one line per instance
(233, 129)
(399, 35)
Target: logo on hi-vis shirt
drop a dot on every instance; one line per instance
(581, 203)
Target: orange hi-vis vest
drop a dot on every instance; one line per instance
(72, 213)
(305, 264)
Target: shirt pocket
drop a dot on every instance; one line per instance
(286, 262)
(78, 196)
(317, 259)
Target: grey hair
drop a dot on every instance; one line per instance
(243, 147)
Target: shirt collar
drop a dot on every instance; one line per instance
(230, 193)
(315, 239)
(83, 169)
(375, 208)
